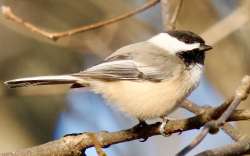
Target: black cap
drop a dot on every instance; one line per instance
(186, 36)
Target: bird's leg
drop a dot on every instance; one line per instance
(141, 124)
(164, 122)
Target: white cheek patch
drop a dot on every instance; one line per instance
(171, 44)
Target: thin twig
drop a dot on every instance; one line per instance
(227, 127)
(242, 141)
(169, 16)
(239, 148)
(240, 95)
(194, 143)
(8, 13)
(175, 14)
(232, 132)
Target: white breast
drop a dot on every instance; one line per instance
(195, 73)
(146, 99)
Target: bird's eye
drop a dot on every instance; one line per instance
(186, 41)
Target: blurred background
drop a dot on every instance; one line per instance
(31, 116)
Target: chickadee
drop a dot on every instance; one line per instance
(146, 80)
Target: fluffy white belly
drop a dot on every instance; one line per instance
(145, 99)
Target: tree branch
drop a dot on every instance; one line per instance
(212, 126)
(75, 145)
(8, 13)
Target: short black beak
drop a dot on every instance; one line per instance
(205, 47)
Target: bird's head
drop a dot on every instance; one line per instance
(185, 44)
(180, 41)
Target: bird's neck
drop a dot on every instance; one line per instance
(192, 57)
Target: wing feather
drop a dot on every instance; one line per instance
(133, 62)
(121, 69)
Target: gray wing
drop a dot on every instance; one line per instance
(113, 70)
(137, 61)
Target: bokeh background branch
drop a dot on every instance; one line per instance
(8, 13)
(212, 127)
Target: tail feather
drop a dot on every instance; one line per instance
(42, 80)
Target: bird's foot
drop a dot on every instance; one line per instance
(140, 125)
(164, 122)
